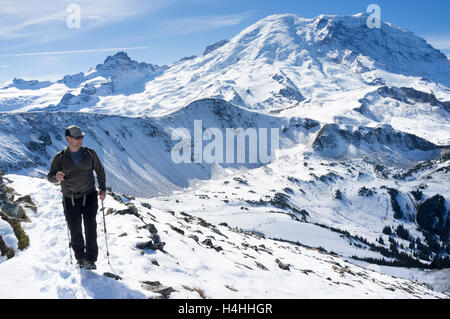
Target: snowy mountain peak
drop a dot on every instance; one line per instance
(119, 57)
(120, 74)
(341, 40)
(121, 62)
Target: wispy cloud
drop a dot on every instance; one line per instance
(72, 51)
(47, 19)
(202, 23)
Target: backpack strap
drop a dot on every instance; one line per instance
(61, 154)
(90, 155)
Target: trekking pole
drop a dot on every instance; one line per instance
(68, 233)
(106, 236)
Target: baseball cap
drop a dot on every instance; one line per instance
(74, 131)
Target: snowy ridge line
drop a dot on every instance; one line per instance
(30, 140)
(335, 141)
(402, 107)
(136, 151)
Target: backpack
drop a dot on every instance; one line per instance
(61, 155)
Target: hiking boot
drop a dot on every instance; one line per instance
(81, 263)
(90, 265)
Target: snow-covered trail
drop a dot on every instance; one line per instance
(44, 270)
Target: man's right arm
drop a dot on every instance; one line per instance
(54, 168)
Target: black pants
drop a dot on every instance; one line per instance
(87, 213)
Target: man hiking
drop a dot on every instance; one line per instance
(73, 167)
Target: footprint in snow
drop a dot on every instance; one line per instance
(64, 274)
(42, 274)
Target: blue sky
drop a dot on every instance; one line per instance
(36, 42)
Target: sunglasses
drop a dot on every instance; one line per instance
(78, 138)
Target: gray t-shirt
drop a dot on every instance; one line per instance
(76, 157)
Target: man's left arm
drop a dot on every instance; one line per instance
(100, 171)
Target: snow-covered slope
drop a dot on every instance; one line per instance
(195, 259)
(324, 203)
(408, 110)
(137, 152)
(345, 178)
